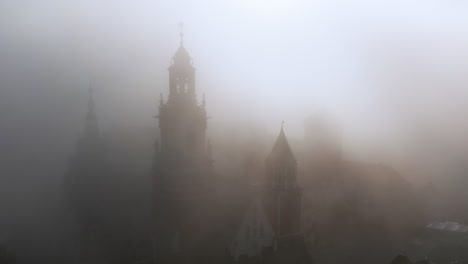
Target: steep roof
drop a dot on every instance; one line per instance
(281, 151)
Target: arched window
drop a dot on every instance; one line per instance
(247, 232)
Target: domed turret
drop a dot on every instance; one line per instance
(182, 76)
(181, 57)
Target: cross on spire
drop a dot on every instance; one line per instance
(181, 34)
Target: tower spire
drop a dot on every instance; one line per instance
(182, 74)
(281, 152)
(181, 34)
(284, 194)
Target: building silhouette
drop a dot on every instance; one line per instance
(183, 194)
(283, 192)
(85, 190)
(274, 211)
(188, 225)
(270, 231)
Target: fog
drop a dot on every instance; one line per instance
(390, 76)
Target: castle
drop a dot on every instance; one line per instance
(332, 214)
(187, 226)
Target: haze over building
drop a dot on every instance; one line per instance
(309, 132)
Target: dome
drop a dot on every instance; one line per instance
(181, 56)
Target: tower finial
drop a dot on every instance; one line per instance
(181, 34)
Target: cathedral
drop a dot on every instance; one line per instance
(188, 227)
(261, 212)
(85, 186)
(182, 169)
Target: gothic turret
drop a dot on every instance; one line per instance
(85, 187)
(281, 164)
(283, 196)
(182, 76)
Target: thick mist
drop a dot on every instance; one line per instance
(390, 77)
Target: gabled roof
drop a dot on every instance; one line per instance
(281, 151)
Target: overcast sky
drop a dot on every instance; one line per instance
(390, 72)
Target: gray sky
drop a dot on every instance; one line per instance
(392, 73)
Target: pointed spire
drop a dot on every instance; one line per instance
(281, 151)
(181, 34)
(181, 56)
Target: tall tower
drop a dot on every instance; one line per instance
(85, 188)
(86, 165)
(283, 193)
(182, 120)
(182, 165)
